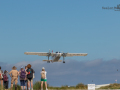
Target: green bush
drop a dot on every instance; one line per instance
(78, 86)
(81, 86)
(37, 85)
(64, 87)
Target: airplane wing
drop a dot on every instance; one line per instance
(75, 54)
(39, 53)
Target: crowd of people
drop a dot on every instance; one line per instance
(26, 77)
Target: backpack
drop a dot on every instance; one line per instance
(29, 71)
(0, 75)
(5, 78)
(43, 75)
(22, 74)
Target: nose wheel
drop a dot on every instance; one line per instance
(48, 61)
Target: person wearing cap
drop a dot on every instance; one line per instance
(22, 74)
(14, 77)
(43, 79)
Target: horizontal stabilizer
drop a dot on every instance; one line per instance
(46, 60)
(53, 61)
(59, 60)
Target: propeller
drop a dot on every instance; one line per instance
(64, 54)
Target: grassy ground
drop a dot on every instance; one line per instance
(111, 86)
(18, 87)
(80, 86)
(37, 86)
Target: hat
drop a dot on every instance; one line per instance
(43, 68)
(14, 67)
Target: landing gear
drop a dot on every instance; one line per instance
(48, 61)
(64, 55)
(63, 59)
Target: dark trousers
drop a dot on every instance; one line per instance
(6, 84)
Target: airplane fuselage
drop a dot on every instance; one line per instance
(56, 57)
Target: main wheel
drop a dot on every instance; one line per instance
(63, 61)
(48, 61)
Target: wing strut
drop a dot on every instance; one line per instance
(64, 55)
(49, 54)
(63, 59)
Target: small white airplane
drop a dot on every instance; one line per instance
(55, 56)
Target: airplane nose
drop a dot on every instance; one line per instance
(58, 54)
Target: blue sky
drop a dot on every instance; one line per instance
(79, 26)
(69, 26)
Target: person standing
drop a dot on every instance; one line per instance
(5, 79)
(30, 72)
(14, 77)
(26, 77)
(22, 74)
(43, 78)
(1, 77)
